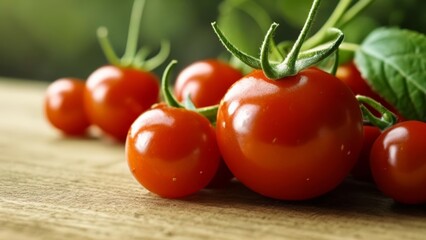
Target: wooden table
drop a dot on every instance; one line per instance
(53, 187)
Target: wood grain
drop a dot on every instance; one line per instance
(53, 187)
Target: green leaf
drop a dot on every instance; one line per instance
(393, 62)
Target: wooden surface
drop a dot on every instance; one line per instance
(57, 188)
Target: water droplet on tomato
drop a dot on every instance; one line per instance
(174, 179)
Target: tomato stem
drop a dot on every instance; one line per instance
(295, 60)
(332, 21)
(111, 56)
(342, 15)
(165, 89)
(350, 47)
(290, 60)
(131, 58)
(244, 57)
(209, 112)
(133, 33)
(354, 11)
(387, 118)
(159, 58)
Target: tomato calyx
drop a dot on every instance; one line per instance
(132, 58)
(296, 59)
(387, 118)
(208, 112)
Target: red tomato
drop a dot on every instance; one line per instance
(361, 170)
(172, 152)
(350, 75)
(64, 106)
(116, 96)
(205, 82)
(398, 162)
(292, 139)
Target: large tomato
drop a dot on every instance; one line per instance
(294, 138)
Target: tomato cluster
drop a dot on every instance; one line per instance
(111, 99)
(394, 158)
(288, 130)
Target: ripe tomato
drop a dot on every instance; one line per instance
(205, 82)
(116, 96)
(350, 75)
(172, 152)
(361, 170)
(64, 106)
(398, 162)
(292, 139)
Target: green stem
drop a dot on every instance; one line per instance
(111, 56)
(387, 118)
(261, 17)
(158, 59)
(288, 66)
(332, 21)
(132, 39)
(291, 58)
(165, 89)
(353, 12)
(350, 47)
(244, 57)
(209, 112)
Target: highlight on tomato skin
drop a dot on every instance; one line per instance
(116, 96)
(172, 152)
(398, 162)
(292, 139)
(64, 106)
(205, 82)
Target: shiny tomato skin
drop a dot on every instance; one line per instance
(291, 139)
(362, 170)
(64, 106)
(398, 162)
(172, 152)
(116, 96)
(205, 82)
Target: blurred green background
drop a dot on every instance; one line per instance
(48, 39)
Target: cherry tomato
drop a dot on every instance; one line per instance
(172, 152)
(350, 75)
(64, 106)
(205, 82)
(295, 138)
(361, 170)
(115, 97)
(398, 162)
